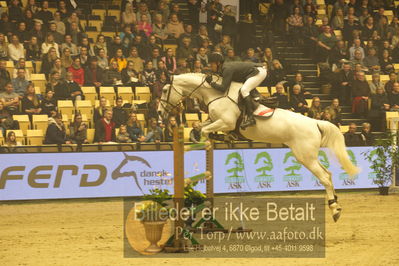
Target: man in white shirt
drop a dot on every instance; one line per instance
(15, 49)
(356, 46)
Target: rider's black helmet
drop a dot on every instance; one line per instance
(216, 58)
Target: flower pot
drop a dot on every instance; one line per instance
(383, 190)
(153, 233)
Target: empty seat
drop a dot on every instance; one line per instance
(90, 135)
(97, 103)
(39, 80)
(204, 117)
(273, 90)
(187, 131)
(143, 93)
(85, 108)
(191, 118)
(171, 46)
(90, 94)
(10, 67)
(263, 91)
(66, 108)
(108, 93)
(96, 23)
(35, 137)
(389, 116)
(24, 122)
(1, 137)
(19, 136)
(344, 129)
(98, 12)
(40, 122)
(126, 93)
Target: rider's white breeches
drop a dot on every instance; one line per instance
(253, 82)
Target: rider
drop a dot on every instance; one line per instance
(251, 74)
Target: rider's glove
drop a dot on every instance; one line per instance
(208, 79)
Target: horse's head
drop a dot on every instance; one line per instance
(170, 101)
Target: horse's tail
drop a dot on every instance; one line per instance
(332, 138)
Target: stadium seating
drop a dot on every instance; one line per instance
(66, 108)
(19, 136)
(187, 131)
(126, 93)
(85, 108)
(1, 138)
(191, 118)
(39, 80)
(35, 137)
(263, 91)
(108, 93)
(143, 93)
(24, 122)
(90, 94)
(40, 122)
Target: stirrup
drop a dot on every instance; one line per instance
(250, 121)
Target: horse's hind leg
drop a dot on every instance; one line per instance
(308, 156)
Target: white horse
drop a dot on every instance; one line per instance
(302, 134)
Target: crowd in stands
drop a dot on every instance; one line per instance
(152, 40)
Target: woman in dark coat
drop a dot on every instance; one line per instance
(56, 133)
(379, 105)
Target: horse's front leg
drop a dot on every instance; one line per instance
(218, 125)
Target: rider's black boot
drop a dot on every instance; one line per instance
(249, 119)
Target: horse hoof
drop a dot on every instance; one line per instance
(336, 216)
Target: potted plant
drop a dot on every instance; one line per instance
(154, 216)
(383, 159)
(192, 199)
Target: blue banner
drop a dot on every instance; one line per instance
(121, 174)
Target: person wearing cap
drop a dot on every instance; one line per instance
(249, 73)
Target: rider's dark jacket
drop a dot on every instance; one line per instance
(236, 71)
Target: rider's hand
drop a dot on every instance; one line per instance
(208, 79)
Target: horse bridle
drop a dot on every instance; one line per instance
(173, 107)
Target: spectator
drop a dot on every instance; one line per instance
(339, 54)
(195, 133)
(148, 75)
(174, 28)
(84, 57)
(326, 42)
(137, 61)
(297, 102)
(30, 102)
(4, 75)
(38, 32)
(194, 7)
(310, 35)
(128, 15)
(379, 105)
(366, 138)
(11, 140)
(145, 25)
(59, 68)
(247, 33)
(75, 32)
(360, 94)
(29, 20)
(394, 97)
(250, 56)
(335, 111)
(119, 116)
(186, 50)
(113, 75)
(58, 37)
(126, 39)
(351, 137)
(6, 26)
(49, 104)
(94, 74)
(65, 10)
(295, 26)
(129, 75)
(44, 14)
(277, 74)
(230, 57)
(6, 121)
(225, 44)
(163, 11)
(73, 49)
(159, 85)
(78, 130)
(315, 111)
(154, 133)
(20, 83)
(170, 60)
(102, 59)
(77, 71)
(368, 28)
(100, 110)
(279, 12)
(15, 49)
(298, 80)
(155, 57)
(59, 24)
(48, 61)
(143, 10)
(3, 47)
(134, 128)
(371, 61)
(337, 21)
(56, 133)
(281, 96)
(15, 11)
(69, 90)
(123, 135)
(105, 129)
(10, 99)
(22, 33)
(389, 85)
(182, 67)
(100, 44)
(344, 81)
(375, 83)
(33, 51)
(21, 65)
(159, 28)
(386, 62)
